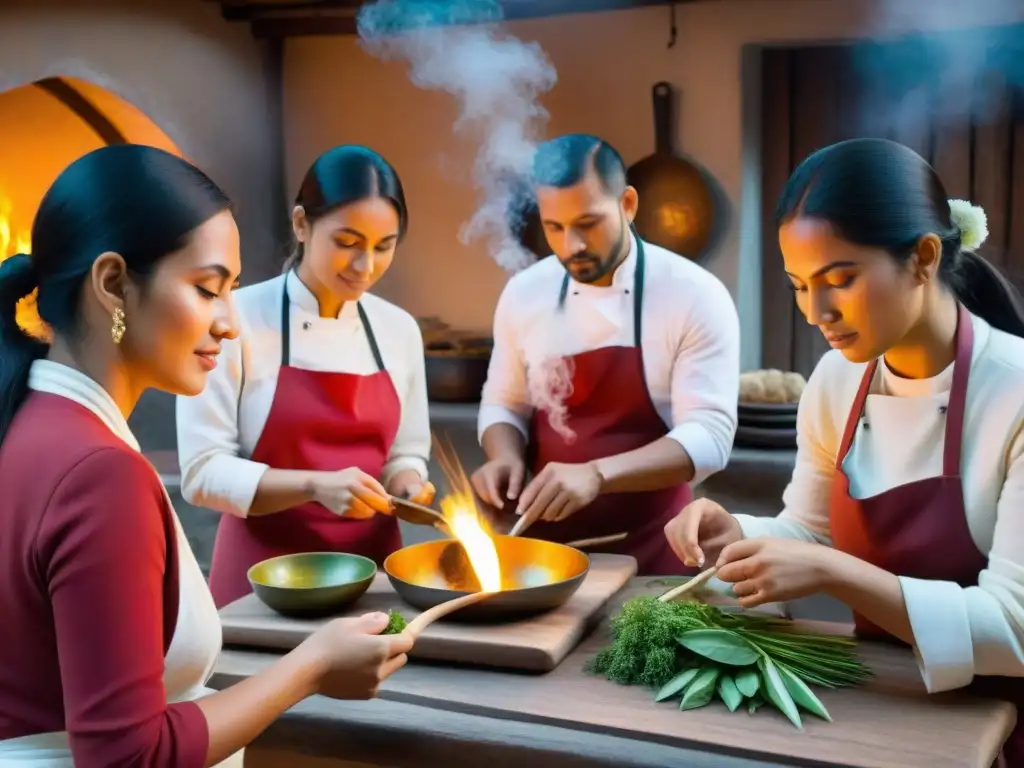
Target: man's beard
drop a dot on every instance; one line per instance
(589, 267)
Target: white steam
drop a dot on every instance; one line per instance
(949, 61)
(455, 46)
(460, 47)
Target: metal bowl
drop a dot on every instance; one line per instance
(537, 576)
(312, 583)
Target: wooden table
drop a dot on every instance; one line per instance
(568, 718)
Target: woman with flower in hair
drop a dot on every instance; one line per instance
(910, 434)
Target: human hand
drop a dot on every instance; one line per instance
(558, 491)
(422, 493)
(769, 570)
(408, 484)
(352, 658)
(701, 531)
(351, 493)
(499, 479)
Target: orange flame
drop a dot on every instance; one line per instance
(467, 524)
(12, 242)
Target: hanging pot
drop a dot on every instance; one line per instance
(677, 203)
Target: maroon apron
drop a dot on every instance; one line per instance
(318, 421)
(611, 412)
(919, 530)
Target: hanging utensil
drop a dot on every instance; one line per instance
(677, 203)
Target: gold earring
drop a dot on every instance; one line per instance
(118, 328)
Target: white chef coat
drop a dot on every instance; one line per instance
(690, 340)
(958, 632)
(197, 640)
(219, 428)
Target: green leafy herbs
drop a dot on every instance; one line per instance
(396, 623)
(722, 646)
(728, 692)
(694, 653)
(700, 690)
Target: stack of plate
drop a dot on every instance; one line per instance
(766, 425)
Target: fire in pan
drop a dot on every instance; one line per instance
(480, 576)
(534, 576)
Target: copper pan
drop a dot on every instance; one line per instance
(537, 576)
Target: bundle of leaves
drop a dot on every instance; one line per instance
(693, 651)
(396, 623)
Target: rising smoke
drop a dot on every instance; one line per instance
(943, 63)
(460, 47)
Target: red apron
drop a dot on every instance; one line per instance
(319, 421)
(611, 412)
(919, 530)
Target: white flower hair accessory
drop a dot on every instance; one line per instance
(972, 222)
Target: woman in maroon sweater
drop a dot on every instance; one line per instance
(110, 631)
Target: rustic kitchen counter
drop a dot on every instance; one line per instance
(432, 715)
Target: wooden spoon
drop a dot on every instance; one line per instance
(682, 589)
(429, 616)
(417, 514)
(519, 527)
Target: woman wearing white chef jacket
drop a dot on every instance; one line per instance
(910, 446)
(319, 410)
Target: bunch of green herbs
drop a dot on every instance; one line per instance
(693, 651)
(396, 623)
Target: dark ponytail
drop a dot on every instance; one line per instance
(344, 175)
(880, 194)
(986, 292)
(18, 349)
(137, 201)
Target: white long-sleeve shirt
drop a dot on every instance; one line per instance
(690, 339)
(219, 428)
(958, 633)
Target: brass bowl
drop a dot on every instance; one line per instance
(312, 583)
(537, 576)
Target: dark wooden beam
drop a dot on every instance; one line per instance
(300, 8)
(84, 109)
(337, 17)
(303, 26)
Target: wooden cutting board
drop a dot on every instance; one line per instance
(533, 645)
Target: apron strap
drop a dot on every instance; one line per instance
(957, 406)
(855, 412)
(286, 331)
(370, 337)
(953, 435)
(638, 290)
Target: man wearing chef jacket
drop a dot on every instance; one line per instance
(613, 383)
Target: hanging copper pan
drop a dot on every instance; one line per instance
(677, 202)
